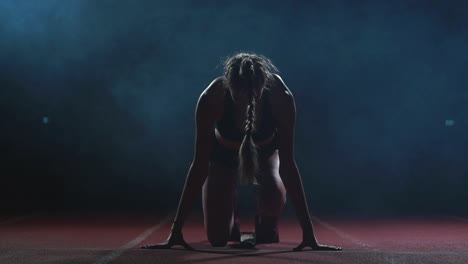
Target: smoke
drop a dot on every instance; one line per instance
(118, 81)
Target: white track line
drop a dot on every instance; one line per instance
(16, 219)
(343, 234)
(116, 253)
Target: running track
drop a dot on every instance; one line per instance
(116, 237)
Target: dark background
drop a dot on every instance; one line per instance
(97, 99)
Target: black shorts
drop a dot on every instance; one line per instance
(230, 158)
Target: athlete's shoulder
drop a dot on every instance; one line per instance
(281, 94)
(211, 100)
(215, 89)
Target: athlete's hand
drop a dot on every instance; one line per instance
(316, 246)
(308, 240)
(175, 238)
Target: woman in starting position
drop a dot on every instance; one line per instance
(245, 123)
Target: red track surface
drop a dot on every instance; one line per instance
(115, 238)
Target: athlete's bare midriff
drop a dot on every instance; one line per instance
(236, 144)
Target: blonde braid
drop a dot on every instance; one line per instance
(248, 155)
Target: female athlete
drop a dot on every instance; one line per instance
(245, 123)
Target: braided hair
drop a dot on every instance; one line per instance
(250, 71)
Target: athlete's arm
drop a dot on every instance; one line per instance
(205, 118)
(286, 119)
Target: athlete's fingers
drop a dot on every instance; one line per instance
(187, 246)
(326, 247)
(300, 247)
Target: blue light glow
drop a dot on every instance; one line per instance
(449, 122)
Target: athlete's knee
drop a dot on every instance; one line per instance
(272, 204)
(274, 196)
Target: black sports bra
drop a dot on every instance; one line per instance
(226, 125)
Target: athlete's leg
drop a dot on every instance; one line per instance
(218, 203)
(271, 193)
(271, 198)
